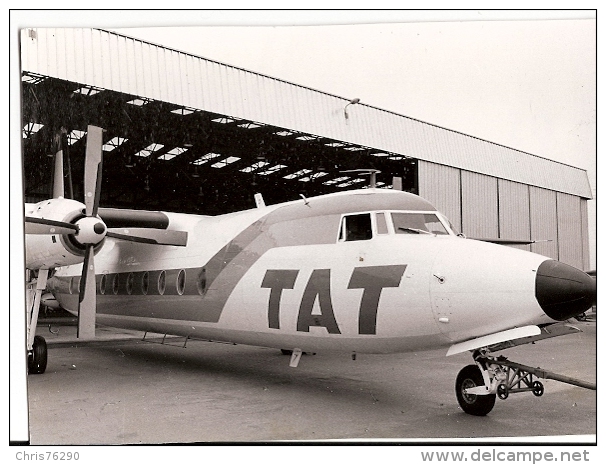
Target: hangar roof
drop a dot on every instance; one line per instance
(177, 123)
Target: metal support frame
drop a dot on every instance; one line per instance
(515, 378)
(503, 377)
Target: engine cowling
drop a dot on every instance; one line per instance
(54, 250)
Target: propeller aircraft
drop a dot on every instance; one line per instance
(361, 271)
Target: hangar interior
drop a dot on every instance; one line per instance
(187, 134)
(162, 156)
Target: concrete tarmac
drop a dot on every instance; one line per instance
(119, 389)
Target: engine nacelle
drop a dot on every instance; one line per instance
(49, 251)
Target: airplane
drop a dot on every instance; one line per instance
(361, 271)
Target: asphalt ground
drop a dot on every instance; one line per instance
(119, 389)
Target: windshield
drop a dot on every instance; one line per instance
(417, 223)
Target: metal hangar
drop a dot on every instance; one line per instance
(188, 134)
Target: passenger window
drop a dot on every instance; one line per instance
(116, 283)
(130, 280)
(145, 283)
(162, 282)
(356, 228)
(102, 284)
(181, 282)
(381, 223)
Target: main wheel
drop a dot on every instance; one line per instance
(470, 377)
(36, 361)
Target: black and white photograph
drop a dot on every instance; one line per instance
(304, 227)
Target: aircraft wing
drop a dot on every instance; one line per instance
(513, 337)
(558, 329)
(492, 339)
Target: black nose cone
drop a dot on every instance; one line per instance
(563, 291)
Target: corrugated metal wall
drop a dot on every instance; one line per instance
(489, 207)
(441, 185)
(544, 222)
(514, 211)
(479, 200)
(570, 247)
(585, 235)
(112, 61)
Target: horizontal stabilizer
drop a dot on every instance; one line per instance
(508, 241)
(35, 225)
(149, 236)
(492, 339)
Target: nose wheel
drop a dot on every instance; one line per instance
(469, 379)
(478, 385)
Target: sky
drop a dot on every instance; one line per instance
(527, 84)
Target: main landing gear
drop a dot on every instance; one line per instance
(37, 357)
(477, 386)
(37, 353)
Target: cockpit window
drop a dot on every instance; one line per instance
(356, 228)
(381, 224)
(417, 223)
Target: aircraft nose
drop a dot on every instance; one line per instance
(563, 291)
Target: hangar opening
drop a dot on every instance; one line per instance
(162, 156)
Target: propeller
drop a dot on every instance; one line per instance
(92, 231)
(149, 236)
(89, 230)
(35, 225)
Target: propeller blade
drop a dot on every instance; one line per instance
(35, 225)
(87, 305)
(149, 236)
(93, 169)
(58, 182)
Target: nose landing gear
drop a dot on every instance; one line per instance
(468, 379)
(477, 386)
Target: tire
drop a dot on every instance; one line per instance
(36, 361)
(472, 404)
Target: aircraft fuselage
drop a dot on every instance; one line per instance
(365, 271)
